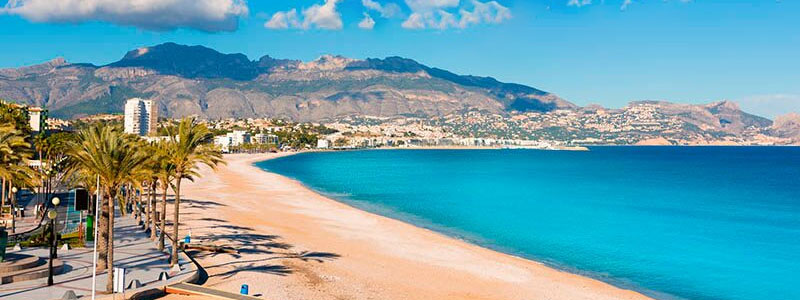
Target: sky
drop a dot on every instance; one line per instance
(607, 52)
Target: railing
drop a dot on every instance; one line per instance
(68, 221)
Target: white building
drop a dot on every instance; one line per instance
(239, 137)
(141, 116)
(323, 144)
(261, 138)
(35, 118)
(224, 142)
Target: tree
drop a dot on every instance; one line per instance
(16, 116)
(14, 153)
(165, 174)
(154, 166)
(191, 146)
(112, 155)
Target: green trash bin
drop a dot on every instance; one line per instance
(89, 228)
(3, 244)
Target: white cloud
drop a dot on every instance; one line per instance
(432, 14)
(439, 19)
(579, 3)
(283, 20)
(367, 22)
(205, 15)
(388, 10)
(414, 21)
(318, 16)
(430, 5)
(489, 12)
(323, 16)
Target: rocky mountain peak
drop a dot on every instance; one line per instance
(723, 105)
(190, 62)
(267, 63)
(42, 68)
(787, 126)
(790, 120)
(58, 61)
(327, 63)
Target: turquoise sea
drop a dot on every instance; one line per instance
(670, 222)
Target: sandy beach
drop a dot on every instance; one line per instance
(297, 244)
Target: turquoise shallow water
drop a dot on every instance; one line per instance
(671, 222)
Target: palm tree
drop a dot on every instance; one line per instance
(154, 167)
(165, 174)
(112, 155)
(52, 150)
(191, 146)
(23, 178)
(14, 152)
(147, 180)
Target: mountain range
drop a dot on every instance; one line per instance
(196, 80)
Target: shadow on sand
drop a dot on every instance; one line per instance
(269, 249)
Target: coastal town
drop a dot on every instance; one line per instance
(643, 123)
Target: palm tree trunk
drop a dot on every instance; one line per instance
(3, 197)
(110, 257)
(176, 215)
(124, 193)
(147, 208)
(163, 218)
(152, 204)
(140, 206)
(13, 212)
(102, 237)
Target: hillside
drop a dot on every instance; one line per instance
(787, 126)
(195, 80)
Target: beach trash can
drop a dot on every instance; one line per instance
(89, 228)
(3, 242)
(245, 289)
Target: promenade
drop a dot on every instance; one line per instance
(133, 250)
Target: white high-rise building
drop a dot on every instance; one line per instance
(141, 116)
(35, 118)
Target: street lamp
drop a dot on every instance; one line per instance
(52, 214)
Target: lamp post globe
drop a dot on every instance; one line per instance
(14, 189)
(52, 214)
(56, 201)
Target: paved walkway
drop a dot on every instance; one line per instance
(133, 250)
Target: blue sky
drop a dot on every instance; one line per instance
(598, 51)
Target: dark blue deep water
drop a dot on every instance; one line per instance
(671, 222)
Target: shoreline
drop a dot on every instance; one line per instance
(455, 235)
(377, 256)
